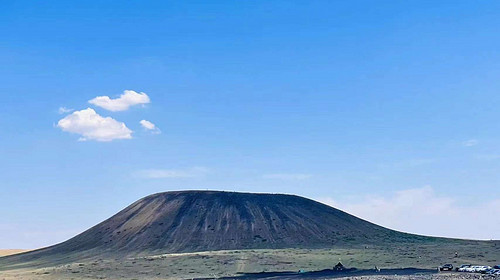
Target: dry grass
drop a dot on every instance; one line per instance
(8, 252)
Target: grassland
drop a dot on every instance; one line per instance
(229, 263)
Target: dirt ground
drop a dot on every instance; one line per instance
(7, 252)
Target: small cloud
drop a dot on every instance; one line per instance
(92, 126)
(64, 110)
(470, 143)
(173, 173)
(150, 127)
(287, 176)
(124, 102)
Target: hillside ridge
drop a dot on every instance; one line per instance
(191, 221)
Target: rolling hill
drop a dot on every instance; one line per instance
(190, 221)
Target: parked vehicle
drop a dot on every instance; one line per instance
(463, 267)
(492, 271)
(487, 271)
(471, 268)
(446, 267)
(474, 268)
(496, 267)
(482, 268)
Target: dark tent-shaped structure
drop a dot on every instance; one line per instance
(339, 267)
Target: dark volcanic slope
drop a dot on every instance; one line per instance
(207, 220)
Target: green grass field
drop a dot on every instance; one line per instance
(227, 263)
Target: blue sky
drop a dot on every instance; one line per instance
(366, 105)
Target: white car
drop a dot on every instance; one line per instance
(470, 268)
(478, 268)
(482, 268)
(475, 268)
(463, 267)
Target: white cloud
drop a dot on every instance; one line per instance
(64, 110)
(150, 126)
(422, 211)
(287, 176)
(124, 102)
(92, 126)
(470, 143)
(173, 173)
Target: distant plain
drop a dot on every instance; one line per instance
(7, 252)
